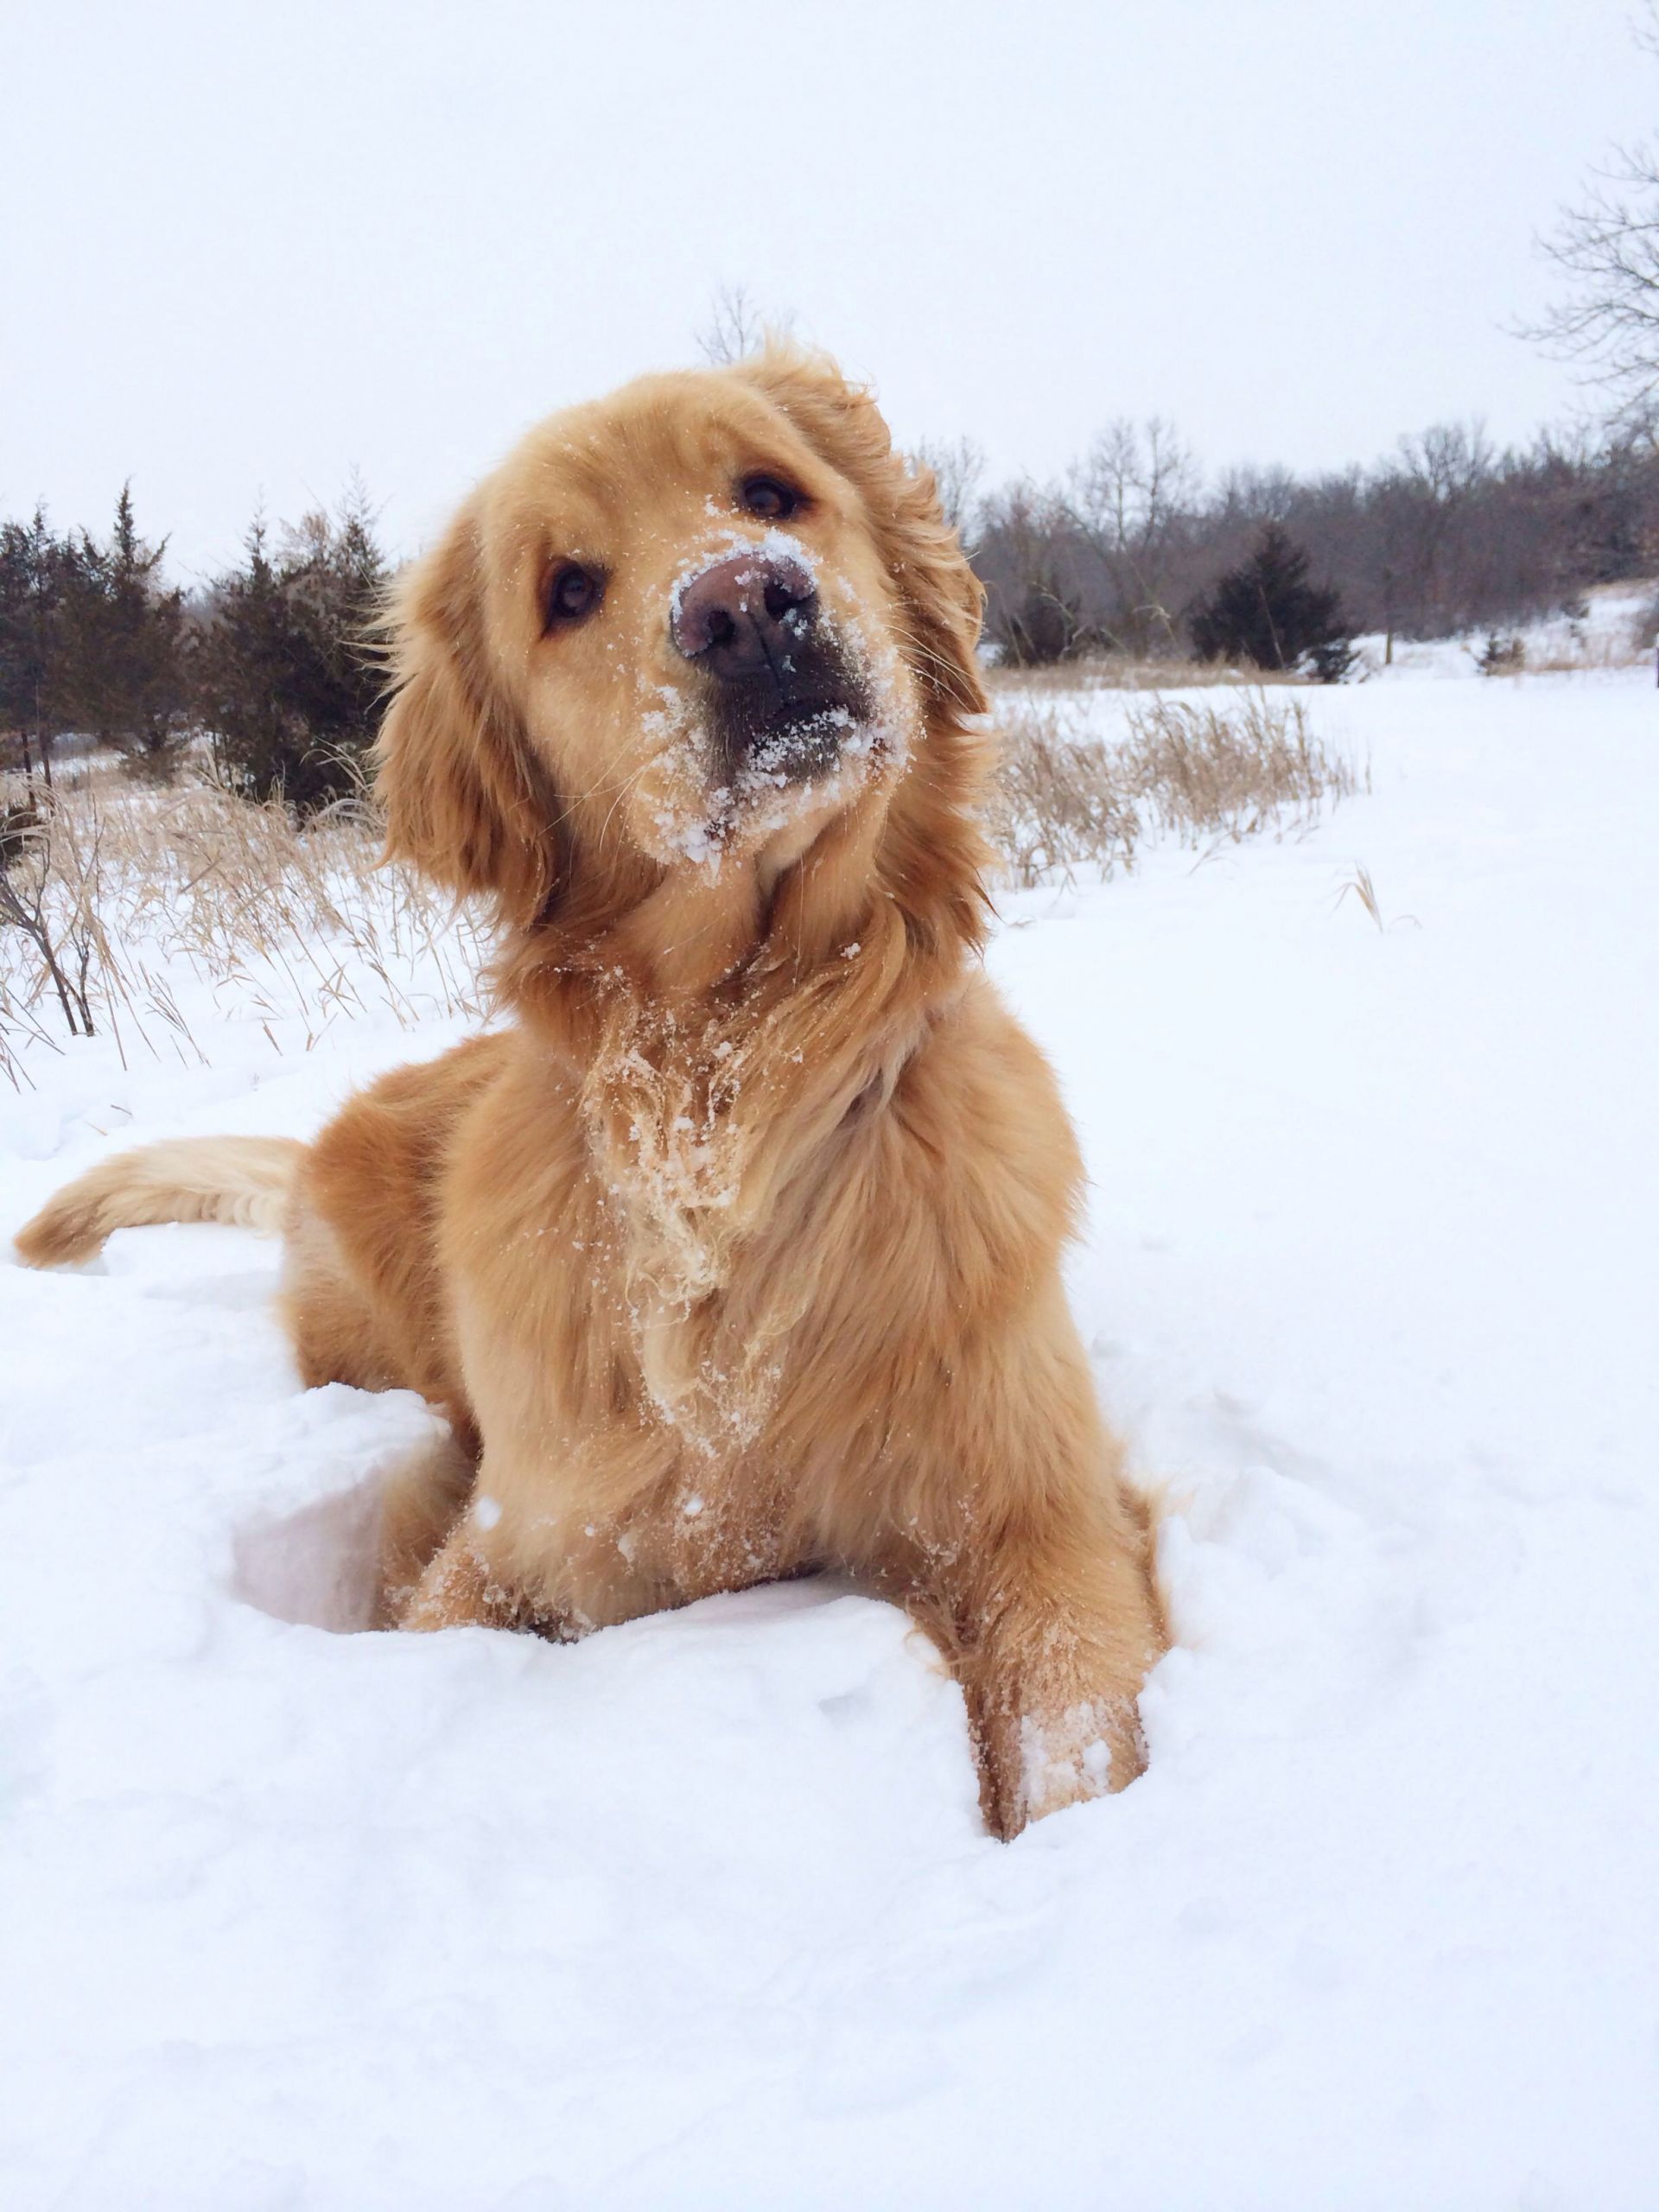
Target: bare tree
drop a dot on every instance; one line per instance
(737, 327)
(957, 466)
(1128, 499)
(1607, 248)
(1254, 496)
(1423, 502)
(1025, 558)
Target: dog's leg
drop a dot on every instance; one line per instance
(579, 1572)
(422, 1501)
(461, 1589)
(1051, 1634)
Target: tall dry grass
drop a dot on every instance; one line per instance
(161, 910)
(1236, 765)
(1115, 671)
(152, 917)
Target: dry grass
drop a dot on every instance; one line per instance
(1065, 804)
(1123, 672)
(140, 899)
(1060, 805)
(1231, 770)
(1360, 886)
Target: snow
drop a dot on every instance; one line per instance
(772, 544)
(698, 1913)
(1611, 626)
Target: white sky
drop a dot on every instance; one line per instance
(248, 248)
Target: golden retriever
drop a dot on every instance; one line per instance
(737, 1253)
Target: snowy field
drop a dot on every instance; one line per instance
(699, 1914)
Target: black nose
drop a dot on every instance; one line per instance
(747, 616)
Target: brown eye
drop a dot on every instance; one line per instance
(572, 593)
(765, 497)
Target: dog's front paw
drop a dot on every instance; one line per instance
(1063, 1758)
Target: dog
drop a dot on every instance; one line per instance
(736, 1254)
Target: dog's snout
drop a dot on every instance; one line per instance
(746, 616)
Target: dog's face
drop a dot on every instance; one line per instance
(696, 607)
(695, 622)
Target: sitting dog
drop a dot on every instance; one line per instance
(736, 1254)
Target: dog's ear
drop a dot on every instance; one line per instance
(466, 801)
(923, 555)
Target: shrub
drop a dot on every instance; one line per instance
(33, 569)
(1044, 628)
(121, 674)
(1266, 613)
(286, 684)
(1502, 654)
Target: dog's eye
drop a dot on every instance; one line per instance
(572, 593)
(765, 497)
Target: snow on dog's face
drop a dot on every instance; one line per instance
(686, 626)
(785, 695)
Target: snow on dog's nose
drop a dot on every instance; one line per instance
(747, 617)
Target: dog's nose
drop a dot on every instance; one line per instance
(746, 616)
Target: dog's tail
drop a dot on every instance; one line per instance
(244, 1181)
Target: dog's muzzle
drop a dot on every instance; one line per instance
(782, 696)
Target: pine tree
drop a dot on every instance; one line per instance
(122, 673)
(286, 684)
(242, 666)
(1265, 611)
(335, 575)
(33, 569)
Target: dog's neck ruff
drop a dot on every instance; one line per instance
(710, 1126)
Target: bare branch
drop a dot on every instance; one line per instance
(958, 467)
(1607, 250)
(737, 327)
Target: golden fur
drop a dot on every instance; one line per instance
(737, 1253)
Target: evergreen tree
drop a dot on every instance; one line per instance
(335, 575)
(285, 681)
(122, 673)
(241, 666)
(33, 569)
(1265, 611)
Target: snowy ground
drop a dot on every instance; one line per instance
(699, 1914)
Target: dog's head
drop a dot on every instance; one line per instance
(679, 632)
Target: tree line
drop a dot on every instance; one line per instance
(269, 668)
(1134, 551)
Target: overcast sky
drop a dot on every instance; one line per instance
(248, 249)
